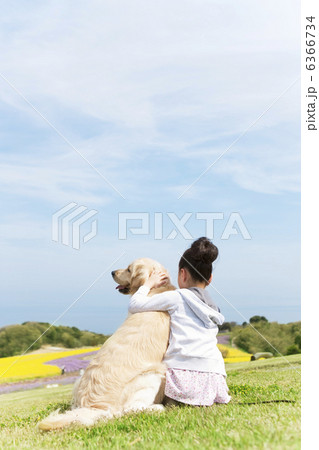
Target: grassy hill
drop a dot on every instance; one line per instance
(15, 339)
(264, 413)
(264, 336)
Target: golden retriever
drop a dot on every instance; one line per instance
(127, 373)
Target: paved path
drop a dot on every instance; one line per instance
(5, 388)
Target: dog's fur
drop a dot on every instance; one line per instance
(127, 373)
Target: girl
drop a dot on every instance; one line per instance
(195, 367)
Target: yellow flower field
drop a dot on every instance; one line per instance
(32, 365)
(233, 355)
(16, 368)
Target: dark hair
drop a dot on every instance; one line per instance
(199, 258)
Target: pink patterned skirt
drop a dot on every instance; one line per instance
(196, 388)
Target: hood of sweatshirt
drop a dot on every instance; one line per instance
(204, 296)
(203, 306)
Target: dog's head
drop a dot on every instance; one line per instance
(135, 275)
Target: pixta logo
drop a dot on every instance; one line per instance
(140, 223)
(68, 222)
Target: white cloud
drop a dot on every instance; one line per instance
(145, 66)
(56, 185)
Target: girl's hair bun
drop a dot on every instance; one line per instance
(199, 258)
(204, 250)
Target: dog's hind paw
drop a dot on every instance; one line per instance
(143, 408)
(159, 408)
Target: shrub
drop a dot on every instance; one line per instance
(293, 350)
(256, 319)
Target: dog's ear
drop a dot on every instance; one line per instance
(140, 274)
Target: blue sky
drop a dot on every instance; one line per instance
(151, 94)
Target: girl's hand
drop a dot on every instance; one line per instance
(156, 280)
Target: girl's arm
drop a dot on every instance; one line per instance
(140, 302)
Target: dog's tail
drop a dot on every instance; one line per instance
(81, 416)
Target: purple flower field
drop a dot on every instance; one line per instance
(223, 339)
(71, 363)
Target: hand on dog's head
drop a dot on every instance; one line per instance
(135, 275)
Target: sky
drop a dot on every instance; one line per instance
(189, 107)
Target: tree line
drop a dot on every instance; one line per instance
(15, 339)
(260, 335)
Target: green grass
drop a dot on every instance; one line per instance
(245, 423)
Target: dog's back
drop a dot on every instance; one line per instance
(136, 348)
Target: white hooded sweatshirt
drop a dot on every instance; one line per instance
(193, 329)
